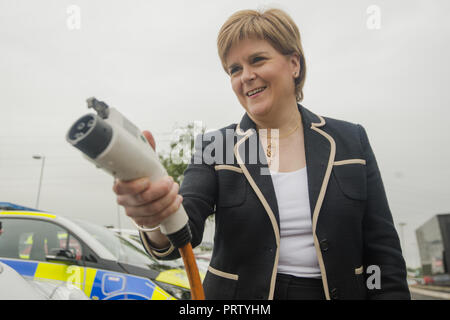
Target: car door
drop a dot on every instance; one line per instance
(42, 250)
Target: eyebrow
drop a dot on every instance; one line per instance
(250, 57)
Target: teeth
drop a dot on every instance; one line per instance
(255, 91)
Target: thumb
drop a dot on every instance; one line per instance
(150, 139)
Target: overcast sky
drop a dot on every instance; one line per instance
(383, 64)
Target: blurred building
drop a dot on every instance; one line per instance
(433, 239)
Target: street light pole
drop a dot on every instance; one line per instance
(39, 157)
(402, 224)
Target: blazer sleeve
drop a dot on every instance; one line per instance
(381, 242)
(199, 189)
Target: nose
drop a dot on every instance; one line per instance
(247, 75)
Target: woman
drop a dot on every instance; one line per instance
(304, 221)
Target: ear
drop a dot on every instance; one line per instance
(294, 61)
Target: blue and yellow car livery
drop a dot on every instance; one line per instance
(96, 284)
(90, 265)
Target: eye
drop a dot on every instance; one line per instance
(257, 59)
(234, 70)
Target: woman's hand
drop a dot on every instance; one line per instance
(148, 203)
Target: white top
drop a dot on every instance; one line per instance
(297, 253)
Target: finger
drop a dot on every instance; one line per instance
(155, 220)
(161, 204)
(154, 192)
(130, 200)
(150, 202)
(131, 187)
(148, 135)
(142, 216)
(172, 208)
(157, 190)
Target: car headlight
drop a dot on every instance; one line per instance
(176, 291)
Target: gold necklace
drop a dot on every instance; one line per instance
(270, 145)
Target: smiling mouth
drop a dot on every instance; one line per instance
(255, 91)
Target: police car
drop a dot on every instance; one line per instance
(104, 265)
(13, 286)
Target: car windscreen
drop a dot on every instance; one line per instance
(123, 250)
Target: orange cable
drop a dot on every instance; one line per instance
(192, 272)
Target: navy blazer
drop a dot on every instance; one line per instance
(353, 230)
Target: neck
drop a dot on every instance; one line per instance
(285, 119)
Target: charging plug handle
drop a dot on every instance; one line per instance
(181, 237)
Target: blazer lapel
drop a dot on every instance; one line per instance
(319, 151)
(252, 160)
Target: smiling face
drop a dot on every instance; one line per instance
(262, 78)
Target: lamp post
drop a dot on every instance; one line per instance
(402, 236)
(39, 157)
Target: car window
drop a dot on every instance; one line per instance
(131, 255)
(123, 250)
(31, 239)
(102, 235)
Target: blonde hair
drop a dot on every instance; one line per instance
(272, 25)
